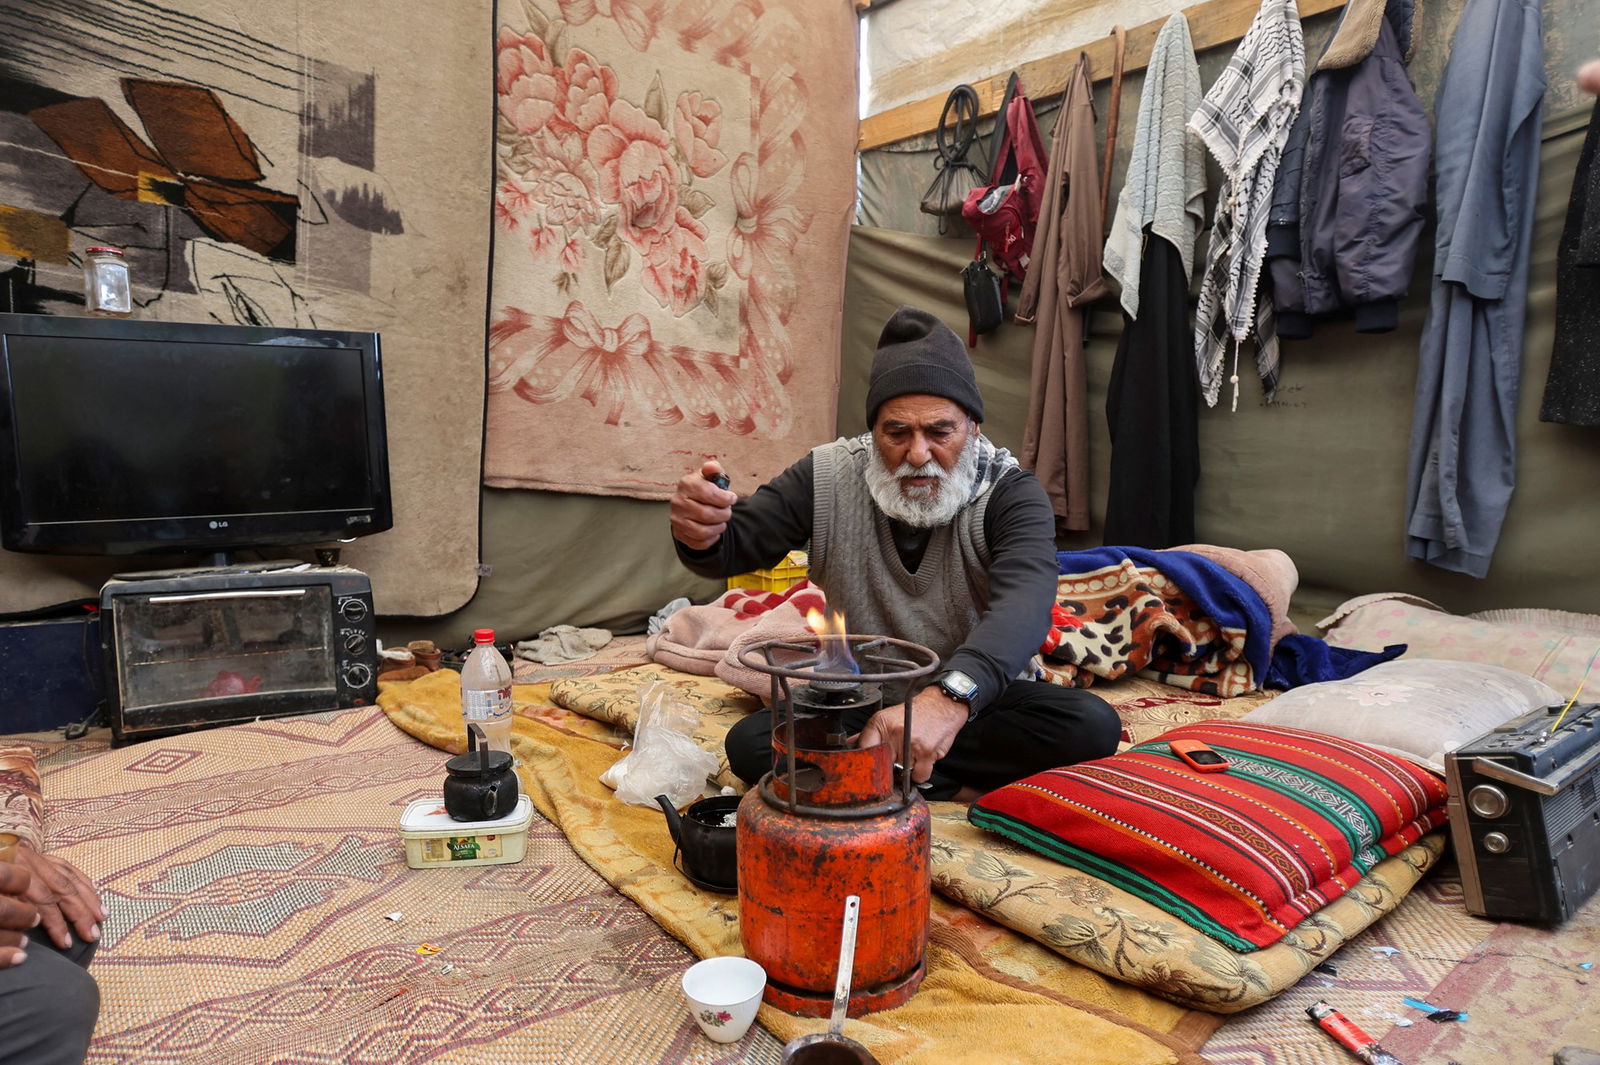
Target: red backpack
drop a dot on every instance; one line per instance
(1005, 212)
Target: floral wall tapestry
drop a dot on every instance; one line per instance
(295, 164)
(674, 187)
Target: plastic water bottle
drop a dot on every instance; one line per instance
(486, 690)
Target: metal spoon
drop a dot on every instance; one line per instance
(832, 1047)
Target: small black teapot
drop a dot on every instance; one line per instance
(479, 785)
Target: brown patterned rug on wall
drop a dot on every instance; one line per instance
(251, 873)
(275, 165)
(674, 188)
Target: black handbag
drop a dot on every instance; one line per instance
(985, 306)
(955, 174)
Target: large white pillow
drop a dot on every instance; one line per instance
(1419, 709)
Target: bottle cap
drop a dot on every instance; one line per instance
(483, 636)
(104, 248)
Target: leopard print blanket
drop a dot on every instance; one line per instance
(1126, 619)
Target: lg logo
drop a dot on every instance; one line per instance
(219, 524)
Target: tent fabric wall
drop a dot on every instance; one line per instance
(555, 559)
(1321, 473)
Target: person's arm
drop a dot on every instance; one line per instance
(21, 803)
(60, 894)
(755, 532)
(1020, 529)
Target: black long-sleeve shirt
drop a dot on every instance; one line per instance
(1018, 525)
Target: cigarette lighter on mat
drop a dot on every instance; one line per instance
(1350, 1037)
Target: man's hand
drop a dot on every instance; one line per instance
(64, 897)
(935, 720)
(17, 914)
(1589, 77)
(700, 510)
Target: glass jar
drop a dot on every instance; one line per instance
(106, 291)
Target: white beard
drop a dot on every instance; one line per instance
(923, 506)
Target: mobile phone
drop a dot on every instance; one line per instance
(1198, 756)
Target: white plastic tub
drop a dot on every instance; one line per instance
(434, 839)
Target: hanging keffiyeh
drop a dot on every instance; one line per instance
(1244, 121)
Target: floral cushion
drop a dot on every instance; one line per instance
(1419, 709)
(1242, 855)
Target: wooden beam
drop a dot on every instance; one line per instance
(1211, 23)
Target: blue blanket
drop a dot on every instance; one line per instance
(1301, 660)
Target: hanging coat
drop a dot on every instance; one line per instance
(1063, 276)
(1153, 399)
(1572, 390)
(1462, 459)
(1153, 411)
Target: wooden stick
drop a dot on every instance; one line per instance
(1211, 23)
(1120, 36)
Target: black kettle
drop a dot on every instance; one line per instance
(479, 785)
(705, 841)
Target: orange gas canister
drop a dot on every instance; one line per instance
(832, 821)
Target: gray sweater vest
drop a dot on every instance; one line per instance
(854, 561)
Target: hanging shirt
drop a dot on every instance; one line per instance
(1462, 460)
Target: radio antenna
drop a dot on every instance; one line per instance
(1575, 694)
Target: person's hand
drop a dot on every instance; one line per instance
(64, 897)
(700, 510)
(1589, 77)
(17, 914)
(935, 720)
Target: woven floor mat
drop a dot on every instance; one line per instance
(261, 911)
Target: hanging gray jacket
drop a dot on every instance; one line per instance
(1347, 208)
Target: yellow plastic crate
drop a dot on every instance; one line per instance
(780, 578)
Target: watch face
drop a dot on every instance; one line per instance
(959, 686)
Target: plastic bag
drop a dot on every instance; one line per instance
(665, 760)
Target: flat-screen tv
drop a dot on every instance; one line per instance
(126, 437)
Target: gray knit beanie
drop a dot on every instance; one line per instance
(918, 354)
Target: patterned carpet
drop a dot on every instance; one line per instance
(250, 870)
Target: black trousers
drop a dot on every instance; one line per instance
(1031, 727)
(49, 1004)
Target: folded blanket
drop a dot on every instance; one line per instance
(782, 623)
(748, 602)
(1184, 620)
(694, 638)
(1270, 572)
(1115, 614)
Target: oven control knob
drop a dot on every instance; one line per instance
(357, 674)
(1496, 843)
(355, 643)
(1488, 801)
(353, 609)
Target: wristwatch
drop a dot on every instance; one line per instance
(960, 687)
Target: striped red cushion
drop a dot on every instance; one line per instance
(1242, 855)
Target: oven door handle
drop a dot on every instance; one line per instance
(253, 593)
